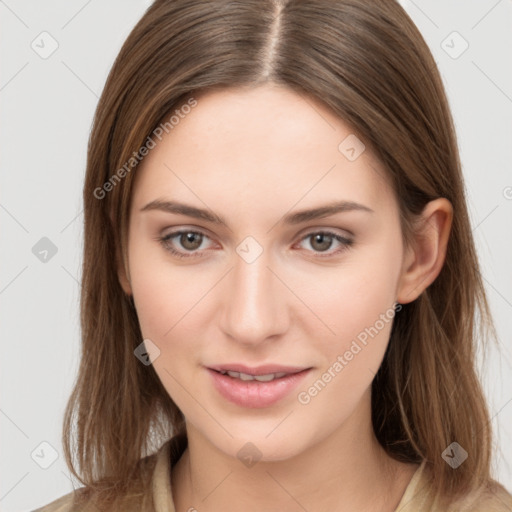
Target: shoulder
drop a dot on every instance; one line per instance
(65, 503)
(492, 498)
(60, 505)
(100, 499)
(419, 497)
(130, 496)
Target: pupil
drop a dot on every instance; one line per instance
(189, 238)
(321, 237)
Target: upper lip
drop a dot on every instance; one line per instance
(257, 370)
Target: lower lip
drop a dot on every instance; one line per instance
(255, 394)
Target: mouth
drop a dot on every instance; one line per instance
(256, 387)
(268, 377)
(247, 372)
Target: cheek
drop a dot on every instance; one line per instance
(356, 302)
(164, 294)
(362, 322)
(165, 301)
(353, 296)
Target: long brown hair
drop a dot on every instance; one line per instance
(366, 61)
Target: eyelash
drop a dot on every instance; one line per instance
(346, 243)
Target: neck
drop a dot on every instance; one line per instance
(345, 471)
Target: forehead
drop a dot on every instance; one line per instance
(264, 145)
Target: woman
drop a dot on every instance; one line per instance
(280, 281)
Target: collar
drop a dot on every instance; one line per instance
(167, 456)
(173, 449)
(413, 492)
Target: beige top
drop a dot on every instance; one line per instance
(416, 497)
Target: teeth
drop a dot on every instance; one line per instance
(265, 378)
(260, 378)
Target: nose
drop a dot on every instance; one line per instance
(256, 304)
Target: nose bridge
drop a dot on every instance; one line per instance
(255, 303)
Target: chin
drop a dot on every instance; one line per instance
(256, 444)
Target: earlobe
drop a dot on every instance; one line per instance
(125, 283)
(124, 280)
(424, 260)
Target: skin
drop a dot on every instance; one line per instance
(253, 155)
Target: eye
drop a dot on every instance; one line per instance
(191, 241)
(322, 241)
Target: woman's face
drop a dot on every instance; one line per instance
(270, 286)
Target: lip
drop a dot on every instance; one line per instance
(258, 370)
(254, 394)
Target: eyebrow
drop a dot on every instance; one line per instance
(291, 218)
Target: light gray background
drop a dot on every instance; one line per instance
(47, 107)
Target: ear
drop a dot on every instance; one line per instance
(424, 260)
(123, 276)
(122, 266)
